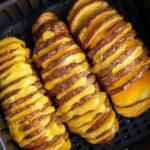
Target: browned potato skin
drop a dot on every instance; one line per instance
(60, 32)
(105, 74)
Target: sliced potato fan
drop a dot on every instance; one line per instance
(31, 118)
(67, 77)
(85, 11)
(119, 58)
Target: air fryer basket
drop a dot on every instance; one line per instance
(16, 19)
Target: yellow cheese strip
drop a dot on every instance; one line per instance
(52, 45)
(43, 123)
(80, 68)
(79, 83)
(109, 134)
(37, 106)
(53, 130)
(113, 57)
(9, 47)
(75, 58)
(21, 94)
(95, 22)
(10, 40)
(19, 85)
(138, 52)
(96, 100)
(30, 101)
(106, 126)
(58, 55)
(47, 35)
(99, 55)
(126, 77)
(66, 145)
(10, 63)
(85, 118)
(103, 29)
(57, 145)
(47, 110)
(82, 129)
(17, 71)
(68, 105)
(129, 96)
(21, 51)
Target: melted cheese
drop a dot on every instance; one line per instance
(99, 55)
(124, 79)
(80, 68)
(22, 71)
(107, 135)
(22, 51)
(54, 130)
(68, 105)
(21, 94)
(53, 45)
(101, 31)
(92, 104)
(86, 31)
(76, 58)
(57, 55)
(138, 52)
(87, 117)
(79, 83)
(10, 63)
(21, 84)
(113, 57)
(47, 35)
(10, 40)
(142, 88)
(108, 124)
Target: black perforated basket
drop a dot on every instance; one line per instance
(17, 18)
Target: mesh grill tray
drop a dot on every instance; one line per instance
(16, 19)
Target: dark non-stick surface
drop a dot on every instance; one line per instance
(17, 18)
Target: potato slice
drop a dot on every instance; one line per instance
(135, 110)
(108, 136)
(75, 7)
(136, 92)
(84, 13)
(94, 22)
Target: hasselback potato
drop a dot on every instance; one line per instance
(67, 77)
(31, 118)
(119, 59)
